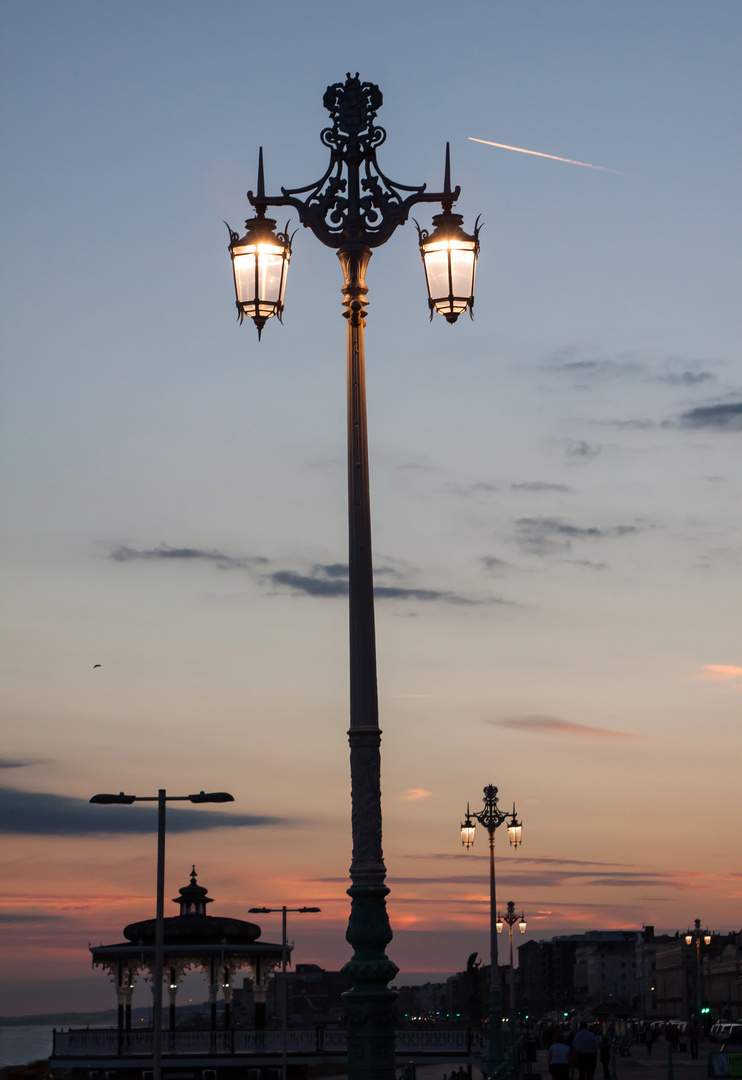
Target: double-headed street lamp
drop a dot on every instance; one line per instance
(161, 798)
(354, 208)
(492, 817)
(511, 919)
(695, 936)
(284, 965)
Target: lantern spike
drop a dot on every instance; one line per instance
(261, 177)
(448, 197)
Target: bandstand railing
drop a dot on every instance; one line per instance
(319, 1040)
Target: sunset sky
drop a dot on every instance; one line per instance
(555, 484)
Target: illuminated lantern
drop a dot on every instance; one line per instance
(467, 829)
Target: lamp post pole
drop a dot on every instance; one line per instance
(161, 798)
(492, 817)
(511, 919)
(353, 209)
(695, 936)
(284, 965)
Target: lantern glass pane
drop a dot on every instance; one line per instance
(514, 832)
(707, 939)
(436, 267)
(462, 269)
(270, 274)
(522, 926)
(688, 939)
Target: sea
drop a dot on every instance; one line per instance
(24, 1043)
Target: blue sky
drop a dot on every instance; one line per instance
(556, 485)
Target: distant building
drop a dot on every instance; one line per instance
(719, 989)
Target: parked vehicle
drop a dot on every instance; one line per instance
(733, 1038)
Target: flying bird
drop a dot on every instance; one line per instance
(95, 666)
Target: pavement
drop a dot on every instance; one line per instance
(638, 1065)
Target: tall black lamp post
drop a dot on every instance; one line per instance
(161, 798)
(354, 208)
(695, 937)
(492, 817)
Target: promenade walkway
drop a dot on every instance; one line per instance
(638, 1066)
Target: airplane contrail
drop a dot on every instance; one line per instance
(553, 157)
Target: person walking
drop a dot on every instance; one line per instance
(585, 1050)
(649, 1039)
(559, 1058)
(605, 1055)
(693, 1036)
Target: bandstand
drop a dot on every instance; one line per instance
(216, 945)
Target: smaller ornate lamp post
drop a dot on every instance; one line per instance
(284, 964)
(695, 936)
(492, 817)
(511, 919)
(161, 798)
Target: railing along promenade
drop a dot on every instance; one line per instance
(101, 1043)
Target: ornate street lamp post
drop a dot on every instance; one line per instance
(353, 209)
(695, 936)
(511, 919)
(161, 798)
(492, 817)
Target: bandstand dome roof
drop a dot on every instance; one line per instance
(192, 925)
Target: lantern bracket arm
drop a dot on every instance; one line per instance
(326, 212)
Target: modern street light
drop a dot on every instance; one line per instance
(161, 798)
(284, 964)
(354, 208)
(696, 935)
(492, 817)
(511, 919)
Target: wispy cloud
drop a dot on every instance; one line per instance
(551, 725)
(481, 487)
(123, 553)
(582, 451)
(323, 580)
(725, 417)
(494, 566)
(8, 763)
(39, 813)
(539, 485)
(415, 794)
(686, 378)
(727, 673)
(544, 535)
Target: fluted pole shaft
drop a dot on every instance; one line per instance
(370, 1002)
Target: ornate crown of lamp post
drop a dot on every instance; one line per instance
(492, 817)
(353, 208)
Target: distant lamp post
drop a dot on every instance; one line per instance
(284, 965)
(353, 209)
(511, 919)
(492, 817)
(161, 798)
(696, 936)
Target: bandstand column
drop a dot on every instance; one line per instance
(173, 994)
(213, 997)
(227, 1007)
